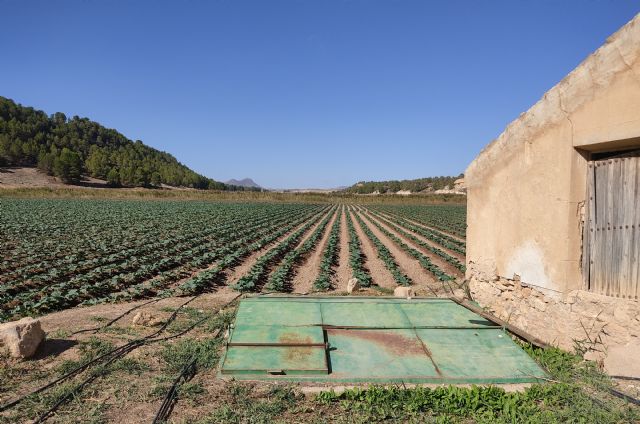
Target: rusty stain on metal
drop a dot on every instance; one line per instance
(394, 343)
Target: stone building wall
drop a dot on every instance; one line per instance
(525, 196)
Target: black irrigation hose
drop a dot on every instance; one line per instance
(115, 352)
(171, 397)
(187, 373)
(625, 397)
(625, 377)
(80, 386)
(64, 377)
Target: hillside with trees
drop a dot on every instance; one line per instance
(429, 184)
(69, 148)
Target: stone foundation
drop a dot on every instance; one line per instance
(605, 329)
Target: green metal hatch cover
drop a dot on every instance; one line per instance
(371, 339)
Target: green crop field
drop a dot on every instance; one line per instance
(61, 253)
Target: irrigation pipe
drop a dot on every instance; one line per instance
(170, 399)
(111, 356)
(96, 329)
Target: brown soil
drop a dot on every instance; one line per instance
(17, 177)
(441, 263)
(233, 275)
(423, 281)
(343, 271)
(82, 318)
(309, 270)
(378, 271)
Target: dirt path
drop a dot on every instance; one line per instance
(343, 272)
(441, 263)
(420, 224)
(233, 275)
(308, 271)
(424, 282)
(378, 271)
(85, 317)
(456, 255)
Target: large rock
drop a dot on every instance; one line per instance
(353, 285)
(21, 338)
(403, 291)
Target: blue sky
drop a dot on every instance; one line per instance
(301, 93)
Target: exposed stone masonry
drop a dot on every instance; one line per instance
(606, 329)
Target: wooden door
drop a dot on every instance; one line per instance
(611, 257)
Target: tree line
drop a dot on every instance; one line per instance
(393, 186)
(69, 148)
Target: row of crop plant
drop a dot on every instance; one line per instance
(280, 279)
(147, 272)
(455, 262)
(384, 254)
(437, 237)
(260, 269)
(447, 218)
(424, 260)
(329, 255)
(356, 257)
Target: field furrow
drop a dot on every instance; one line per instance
(378, 271)
(255, 278)
(343, 271)
(280, 280)
(303, 281)
(233, 274)
(424, 282)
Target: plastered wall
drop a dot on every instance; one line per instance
(525, 190)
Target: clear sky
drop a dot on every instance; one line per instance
(301, 93)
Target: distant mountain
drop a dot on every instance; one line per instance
(245, 182)
(70, 148)
(420, 185)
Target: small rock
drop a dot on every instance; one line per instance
(146, 319)
(353, 285)
(402, 291)
(21, 338)
(538, 304)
